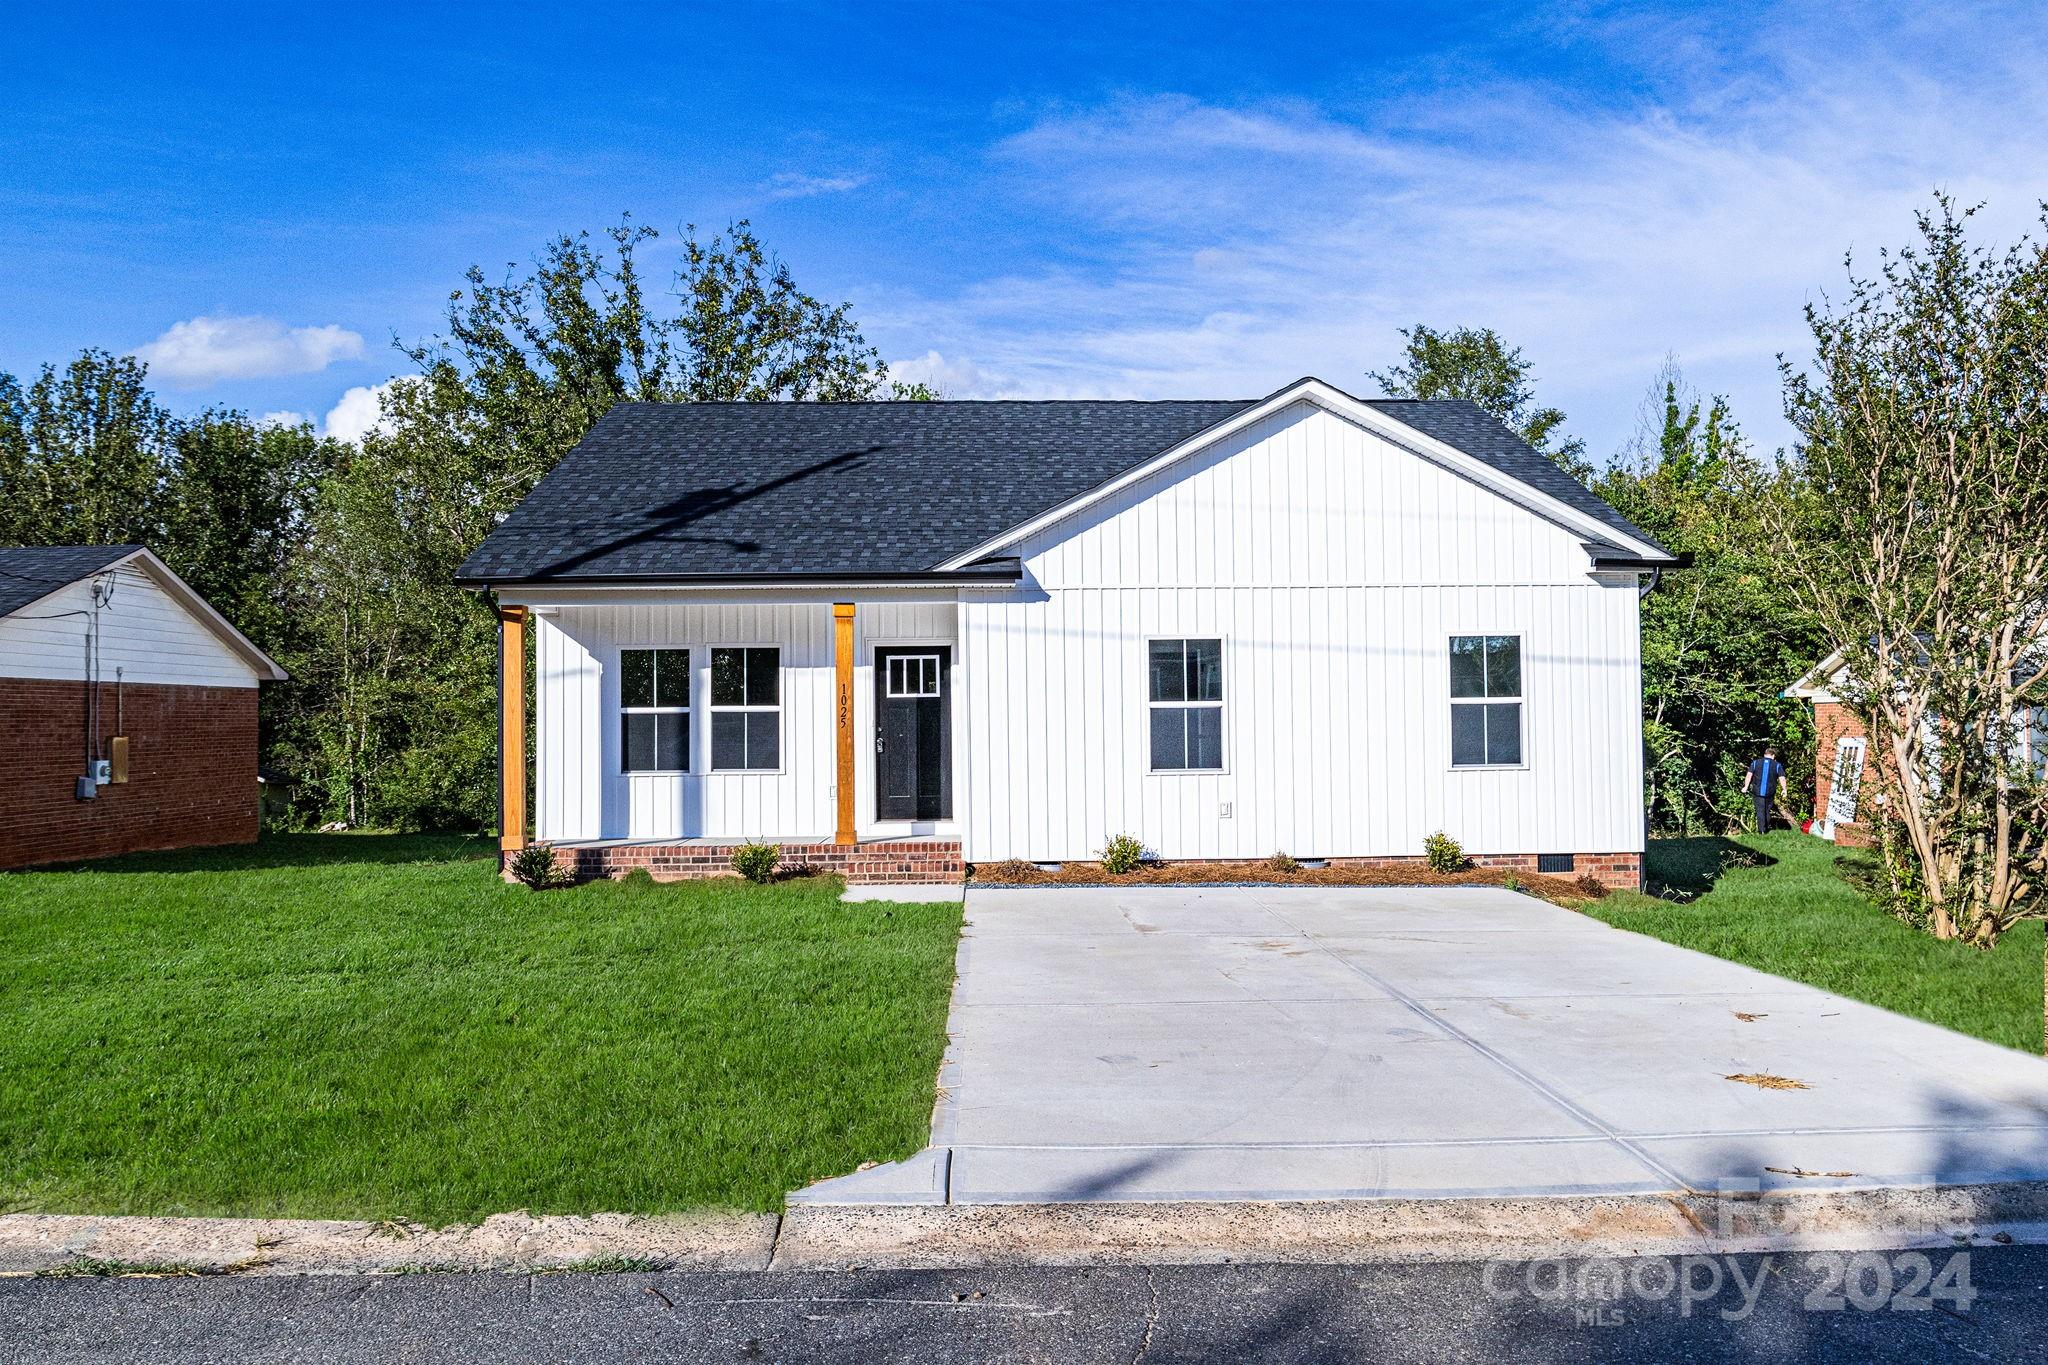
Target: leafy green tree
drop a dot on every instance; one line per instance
(1919, 541)
(404, 660)
(1474, 363)
(238, 504)
(85, 454)
(1722, 636)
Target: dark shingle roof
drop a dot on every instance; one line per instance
(674, 490)
(29, 572)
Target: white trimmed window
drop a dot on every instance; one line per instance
(654, 710)
(911, 675)
(1185, 678)
(1486, 701)
(746, 709)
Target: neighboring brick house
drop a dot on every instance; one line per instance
(1841, 753)
(1841, 807)
(129, 706)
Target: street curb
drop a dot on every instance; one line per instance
(953, 1236)
(46, 1243)
(925, 1236)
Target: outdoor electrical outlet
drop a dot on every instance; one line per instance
(1226, 810)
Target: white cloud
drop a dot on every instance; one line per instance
(205, 350)
(1227, 250)
(955, 378)
(359, 412)
(283, 419)
(798, 185)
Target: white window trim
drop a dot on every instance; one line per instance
(2033, 744)
(1145, 676)
(689, 692)
(904, 657)
(1844, 746)
(1450, 759)
(712, 710)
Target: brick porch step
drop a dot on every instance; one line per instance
(869, 863)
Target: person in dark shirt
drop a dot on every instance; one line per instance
(1761, 782)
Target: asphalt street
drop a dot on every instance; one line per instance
(1991, 1305)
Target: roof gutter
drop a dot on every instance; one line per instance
(1607, 557)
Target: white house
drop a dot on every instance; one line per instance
(896, 637)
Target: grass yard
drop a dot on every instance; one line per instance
(375, 1026)
(1791, 913)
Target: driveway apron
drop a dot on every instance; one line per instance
(1308, 1043)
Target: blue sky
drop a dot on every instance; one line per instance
(1032, 200)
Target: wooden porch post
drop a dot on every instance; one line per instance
(842, 640)
(511, 729)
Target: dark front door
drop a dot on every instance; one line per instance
(913, 734)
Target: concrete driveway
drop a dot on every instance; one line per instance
(1301, 1043)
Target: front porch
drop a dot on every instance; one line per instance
(670, 732)
(864, 862)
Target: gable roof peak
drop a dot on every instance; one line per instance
(659, 491)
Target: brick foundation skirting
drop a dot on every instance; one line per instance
(191, 770)
(903, 860)
(940, 861)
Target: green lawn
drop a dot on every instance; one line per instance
(375, 1026)
(1779, 903)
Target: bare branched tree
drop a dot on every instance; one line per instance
(1920, 543)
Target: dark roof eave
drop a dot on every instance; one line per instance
(1614, 557)
(991, 571)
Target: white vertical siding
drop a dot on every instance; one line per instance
(567, 739)
(1335, 567)
(581, 792)
(144, 632)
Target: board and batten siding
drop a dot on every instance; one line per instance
(144, 633)
(1335, 567)
(581, 792)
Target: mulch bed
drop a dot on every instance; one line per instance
(1259, 872)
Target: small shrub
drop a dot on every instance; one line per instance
(757, 862)
(1123, 853)
(537, 866)
(1283, 862)
(1511, 882)
(1443, 853)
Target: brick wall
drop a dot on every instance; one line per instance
(902, 860)
(928, 860)
(1833, 721)
(191, 770)
(1617, 871)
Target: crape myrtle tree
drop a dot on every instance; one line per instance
(396, 722)
(1721, 635)
(1474, 363)
(1919, 542)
